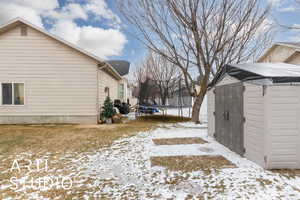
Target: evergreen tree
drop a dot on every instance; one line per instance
(108, 109)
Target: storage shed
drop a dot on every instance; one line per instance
(254, 110)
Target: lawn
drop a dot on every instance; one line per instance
(59, 145)
(61, 139)
(141, 159)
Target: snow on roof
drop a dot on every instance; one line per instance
(256, 72)
(269, 70)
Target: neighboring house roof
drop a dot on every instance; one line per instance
(294, 45)
(18, 21)
(121, 66)
(275, 72)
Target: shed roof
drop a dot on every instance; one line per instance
(275, 72)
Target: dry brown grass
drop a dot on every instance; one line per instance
(59, 141)
(264, 182)
(174, 141)
(164, 118)
(74, 138)
(15, 139)
(191, 163)
(289, 173)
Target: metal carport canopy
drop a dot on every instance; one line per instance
(274, 72)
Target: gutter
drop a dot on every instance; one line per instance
(107, 65)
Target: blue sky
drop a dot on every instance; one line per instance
(97, 26)
(286, 12)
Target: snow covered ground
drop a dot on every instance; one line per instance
(124, 171)
(186, 112)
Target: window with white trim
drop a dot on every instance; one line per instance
(121, 91)
(12, 93)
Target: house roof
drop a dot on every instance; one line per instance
(275, 72)
(18, 21)
(121, 66)
(294, 45)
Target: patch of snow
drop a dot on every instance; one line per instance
(127, 164)
(178, 150)
(187, 112)
(168, 132)
(124, 171)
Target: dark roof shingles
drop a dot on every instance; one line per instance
(121, 66)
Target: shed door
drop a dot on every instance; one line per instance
(229, 116)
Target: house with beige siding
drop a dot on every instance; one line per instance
(125, 89)
(284, 52)
(45, 79)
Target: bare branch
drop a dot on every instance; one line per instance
(200, 36)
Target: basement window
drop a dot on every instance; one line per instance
(12, 93)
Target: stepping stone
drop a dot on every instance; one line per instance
(191, 163)
(174, 141)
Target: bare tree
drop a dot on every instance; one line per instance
(199, 36)
(143, 84)
(159, 74)
(163, 73)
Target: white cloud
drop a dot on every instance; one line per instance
(287, 9)
(100, 41)
(275, 2)
(101, 10)
(17, 8)
(284, 5)
(37, 4)
(70, 11)
(67, 29)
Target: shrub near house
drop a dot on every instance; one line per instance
(108, 110)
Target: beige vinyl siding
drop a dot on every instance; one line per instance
(294, 59)
(106, 80)
(227, 80)
(58, 79)
(283, 117)
(254, 127)
(278, 54)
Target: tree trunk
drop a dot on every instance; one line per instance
(164, 95)
(163, 101)
(200, 97)
(197, 105)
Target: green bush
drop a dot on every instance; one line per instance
(108, 109)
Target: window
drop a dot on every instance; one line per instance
(6, 93)
(121, 91)
(12, 93)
